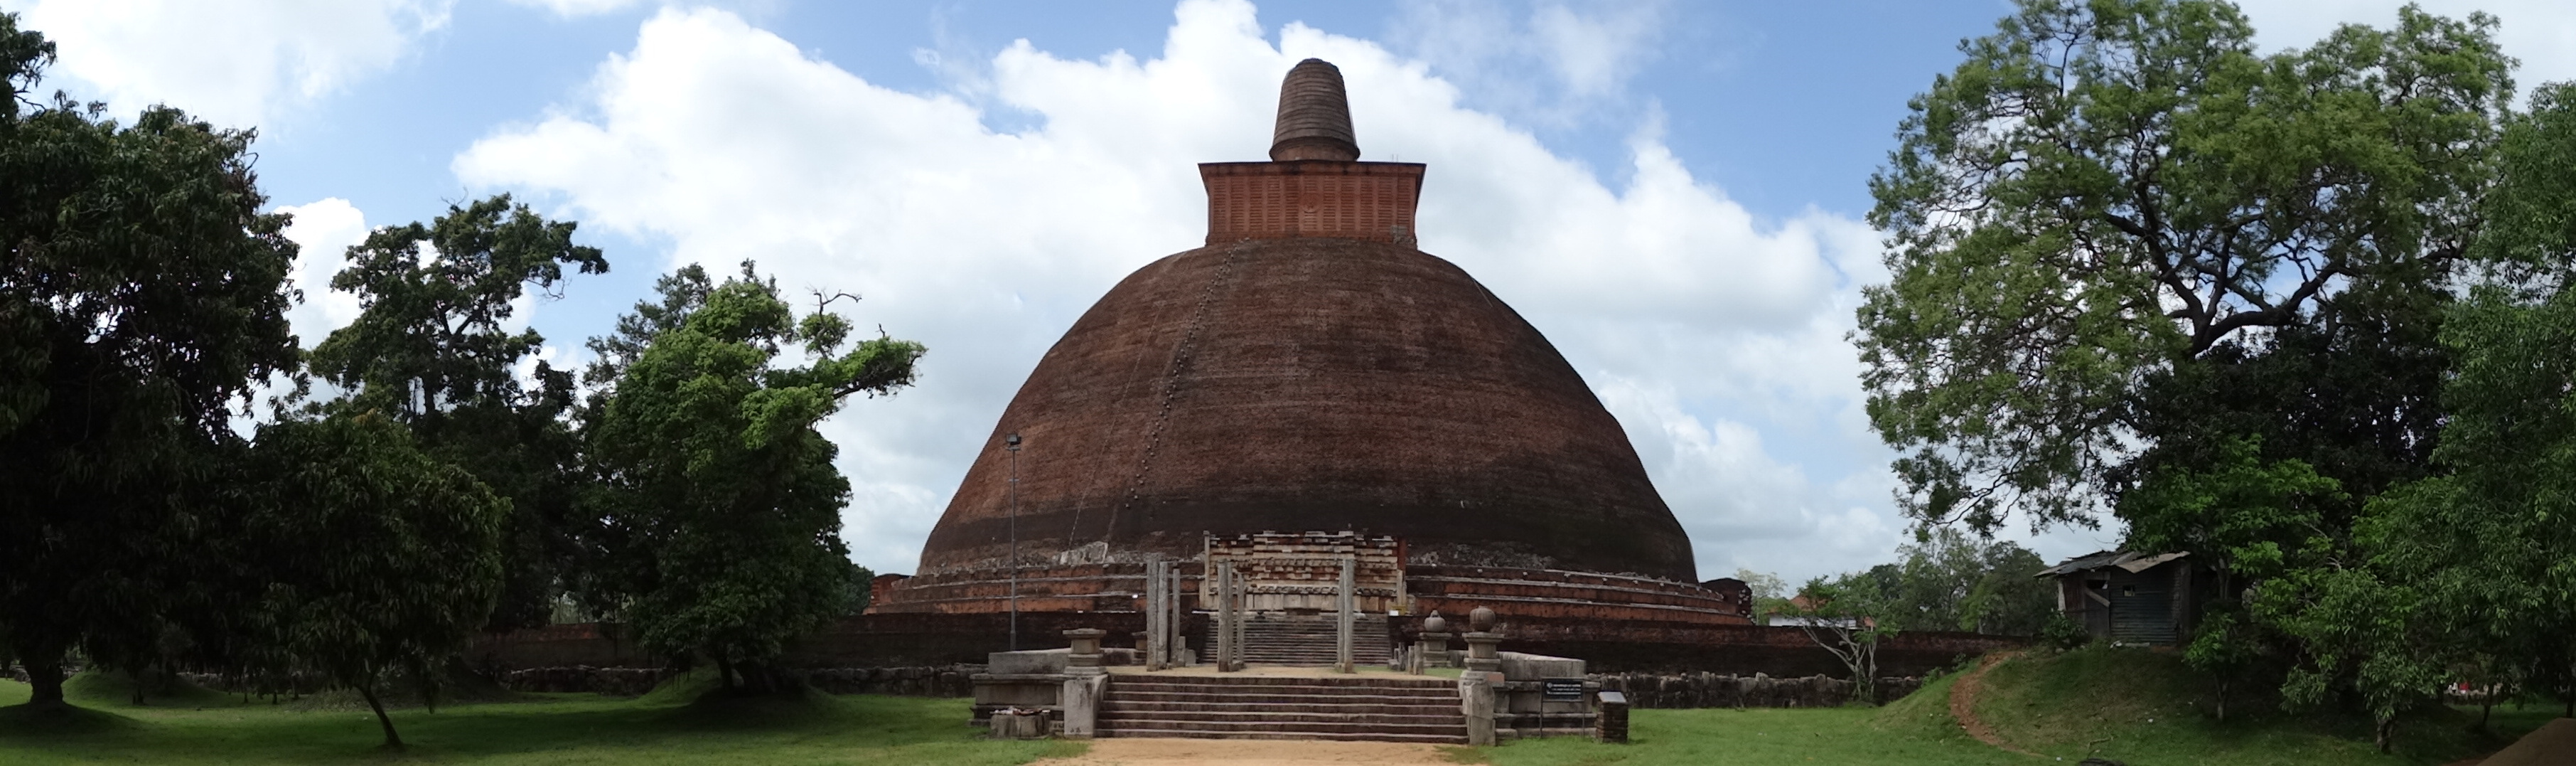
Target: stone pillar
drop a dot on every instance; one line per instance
(1242, 615)
(1433, 647)
(1158, 651)
(1342, 624)
(1612, 724)
(1476, 700)
(1228, 622)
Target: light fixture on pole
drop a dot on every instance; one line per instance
(1011, 442)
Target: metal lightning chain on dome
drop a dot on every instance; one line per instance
(1314, 116)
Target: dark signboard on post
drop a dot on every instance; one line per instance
(1561, 689)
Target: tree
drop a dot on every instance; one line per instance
(1847, 617)
(2108, 192)
(433, 349)
(382, 558)
(1949, 580)
(1770, 595)
(721, 502)
(142, 293)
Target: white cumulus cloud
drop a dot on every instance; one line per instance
(233, 63)
(323, 231)
(1716, 335)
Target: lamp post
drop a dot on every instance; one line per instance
(1011, 443)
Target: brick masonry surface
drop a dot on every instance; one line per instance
(932, 640)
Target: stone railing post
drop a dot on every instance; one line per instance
(1476, 701)
(1483, 642)
(1083, 684)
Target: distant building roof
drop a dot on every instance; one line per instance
(2128, 561)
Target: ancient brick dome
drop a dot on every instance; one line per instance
(1309, 369)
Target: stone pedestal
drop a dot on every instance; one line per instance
(1434, 649)
(1613, 726)
(1482, 655)
(1085, 658)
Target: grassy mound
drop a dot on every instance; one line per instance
(18, 720)
(2146, 706)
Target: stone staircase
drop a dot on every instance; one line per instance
(1305, 640)
(1376, 708)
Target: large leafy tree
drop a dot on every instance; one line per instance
(2116, 214)
(142, 293)
(434, 348)
(720, 500)
(1951, 580)
(2484, 548)
(381, 558)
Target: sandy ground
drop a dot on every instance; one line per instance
(1250, 752)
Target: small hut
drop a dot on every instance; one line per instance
(2128, 597)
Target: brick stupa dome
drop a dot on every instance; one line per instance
(1309, 369)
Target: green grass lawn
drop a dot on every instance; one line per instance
(2134, 706)
(212, 728)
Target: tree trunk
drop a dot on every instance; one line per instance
(2385, 725)
(46, 675)
(393, 741)
(137, 675)
(724, 672)
(2222, 700)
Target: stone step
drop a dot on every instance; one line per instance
(1453, 718)
(1433, 739)
(1333, 727)
(1263, 690)
(1283, 699)
(1448, 708)
(1335, 681)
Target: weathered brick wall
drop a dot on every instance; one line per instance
(930, 640)
(938, 681)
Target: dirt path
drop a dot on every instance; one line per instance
(1963, 703)
(1254, 752)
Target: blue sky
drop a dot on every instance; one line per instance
(1672, 191)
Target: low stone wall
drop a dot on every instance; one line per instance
(937, 681)
(620, 682)
(1713, 690)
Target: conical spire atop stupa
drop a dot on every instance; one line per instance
(1314, 116)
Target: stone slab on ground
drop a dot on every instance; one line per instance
(2553, 744)
(1118, 752)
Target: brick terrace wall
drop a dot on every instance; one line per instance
(931, 640)
(1562, 595)
(863, 641)
(1645, 647)
(1113, 586)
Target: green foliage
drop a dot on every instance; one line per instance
(1952, 581)
(142, 293)
(2063, 632)
(383, 558)
(721, 505)
(2105, 190)
(1847, 616)
(432, 347)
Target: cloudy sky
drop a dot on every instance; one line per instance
(1672, 192)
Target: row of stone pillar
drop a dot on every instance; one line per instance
(1432, 649)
